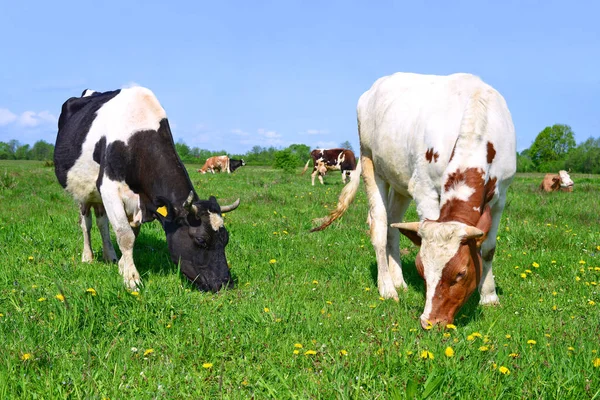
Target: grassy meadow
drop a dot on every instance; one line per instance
(305, 319)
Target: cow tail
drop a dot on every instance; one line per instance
(345, 199)
(305, 167)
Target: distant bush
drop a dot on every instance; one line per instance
(284, 159)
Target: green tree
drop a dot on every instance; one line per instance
(41, 151)
(286, 160)
(550, 147)
(301, 151)
(346, 145)
(22, 152)
(585, 157)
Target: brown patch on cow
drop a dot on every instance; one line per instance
(491, 152)
(460, 278)
(431, 155)
(469, 211)
(490, 189)
(551, 183)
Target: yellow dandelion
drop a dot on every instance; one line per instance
(449, 352)
(316, 282)
(60, 297)
(367, 289)
(513, 355)
(554, 308)
(412, 330)
(409, 353)
(1, 315)
(553, 261)
(207, 365)
(425, 354)
(135, 293)
(34, 286)
(528, 271)
(381, 298)
(446, 335)
(168, 326)
(547, 335)
(148, 352)
(285, 232)
(310, 353)
(591, 302)
(470, 338)
(429, 326)
(272, 261)
(298, 345)
(577, 278)
(41, 299)
(581, 262)
(329, 302)
(343, 353)
(26, 356)
(451, 326)
(523, 276)
(30, 258)
(532, 342)
(277, 319)
(296, 351)
(91, 291)
(266, 309)
(507, 336)
(503, 370)
(554, 293)
(476, 334)
(571, 348)
(597, 362)
(535, 265)
(484, 348)
(275, 233)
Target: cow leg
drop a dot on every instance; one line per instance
(108, 251)
(343, 177)
(312, 176)
(487, 285)
(397, 205)
(85, 220)
(377, 191)
(125, 235)
(321, 179)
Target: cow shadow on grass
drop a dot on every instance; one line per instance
(469, 312)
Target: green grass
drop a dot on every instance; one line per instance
(321, 293)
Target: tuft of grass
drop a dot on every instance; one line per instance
(315, 290)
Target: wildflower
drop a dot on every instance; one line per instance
(60, 297)
(278, 320)
(554, 293)
(425, 354)
(207, 365)
(523, 276)
(513, 355)
(91, 291)
(148, 351)
(503, 370)
(26, 356)
(316, 282)
(535, 265)
(554, 308)
(571, 348)
(507, 336)
(547, 335)
(367, 289)
(134, 293)
(34, 286)
(577, 278)
(266, 309)
(476, 334)
(553, 261)
(30, 258)
(134, 349)
(528, 271)
(310, 353)
(451, 326)
(581, 262)
(285, 232)
(381, 298)
(41, 299)
(296, 351)
(272, 261)
(532, 342)
(446, 335)
(168, 326)
(591, 302)
(1, 315)
(597, 362)
(412, 330)
(449, 352)
(343, 353)
(409, 353)
(484, 348)
(329, 302)
(470, 338)
(429, 325)
(298, 345)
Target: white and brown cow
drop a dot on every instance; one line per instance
(555, 182)
(448, 143)
(221, 163)
(331, 160)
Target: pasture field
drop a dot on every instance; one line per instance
(305, 319)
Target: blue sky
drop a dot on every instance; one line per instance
(236, 74)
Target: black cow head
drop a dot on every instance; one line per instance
(197, 239)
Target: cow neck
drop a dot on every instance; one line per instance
(463, 196)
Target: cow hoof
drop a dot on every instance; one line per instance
(133, 284)
(387, 291)
(489, 300)
(87, 257)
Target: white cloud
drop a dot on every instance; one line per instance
(315, 132)
(32, 119)
(239, 132)
(6, 117)
(326, 145)
(268, 134)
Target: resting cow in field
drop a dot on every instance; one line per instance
(221, 163)
(115, 153)
(448, 143)
(332, 160)
(554, 182)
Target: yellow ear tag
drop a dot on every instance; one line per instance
(162, 211)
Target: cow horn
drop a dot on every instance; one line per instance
(230, 207)
(188, 203)
(473, 233)
(407, 226)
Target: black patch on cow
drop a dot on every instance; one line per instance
(235, 164)
(76, 118)
(117, 161)
(98, 156)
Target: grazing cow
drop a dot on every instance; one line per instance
(115, 153)
(448, 143)
(333, 160)
(235, 164)
(554, 182)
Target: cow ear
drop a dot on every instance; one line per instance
(163, 210)
(410, 230)
(484, 224)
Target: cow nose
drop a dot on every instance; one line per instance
(425, 323)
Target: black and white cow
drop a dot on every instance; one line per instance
(331, 160)
(115, 153)
(235, 164)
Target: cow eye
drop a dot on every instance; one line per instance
(460, 275)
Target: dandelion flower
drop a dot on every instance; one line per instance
(41, 299)
(1, 315)
(272, 261)
(591, 302)
(484, 348)
(298, 345)
(449, 352)
(316, 282)
(470, 338)
(91, 291)
(446, 335)
(513, 355)
(367, 289)
(30, 258)
(409, 353)
(503, 370)
(532, 342)
(310, 353)
(535, 265)
(528, 271)
(329, 302)
(343, 353)
(523, 276)
(296, 351)
(507, 336)
(427, 355)
(451, 326)
(476, 334)
(570, 348)
(577, 278)
(26, 356)
(266, 309)
(148, 351)
(581, 262)
(134, 293)
(207, 365)
(60, 297)
(597, 362)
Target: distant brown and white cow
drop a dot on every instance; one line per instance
(221, 163)
(331, 160)
(447, 142)
(555, 182)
